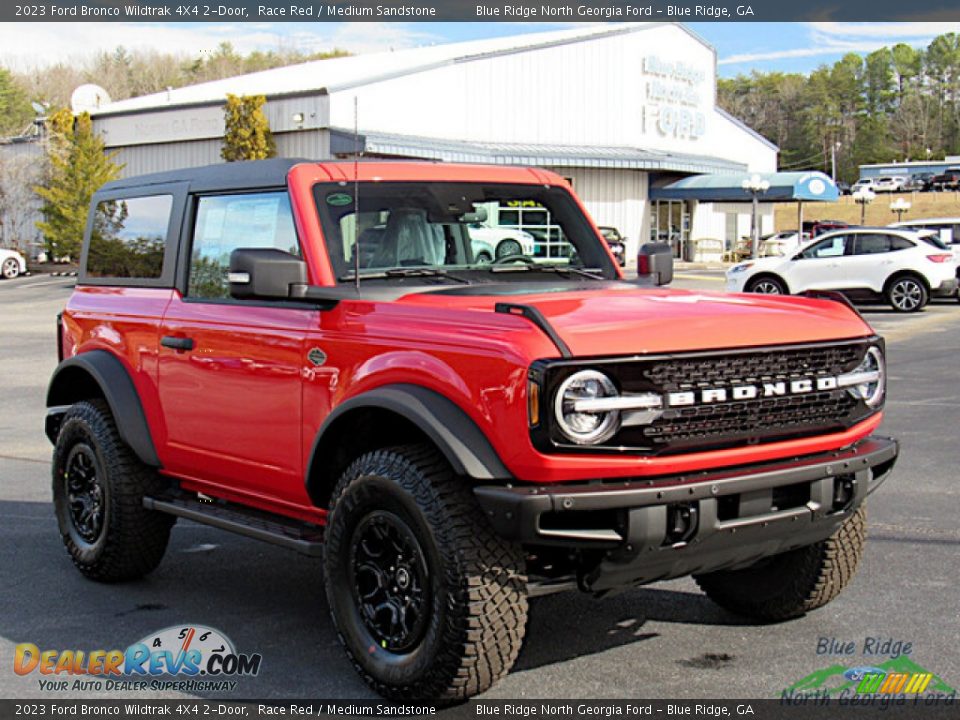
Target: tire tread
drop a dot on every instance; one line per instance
(817, 575)
(487, 605)
(136, 537)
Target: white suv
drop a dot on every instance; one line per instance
(889, 183)
(864, 263)
(12, 264)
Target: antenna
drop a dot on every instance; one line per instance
(356, 198)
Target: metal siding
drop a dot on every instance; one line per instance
(613, 197)
(144, 159)
(314, 108)
(591, 92)
(311, 144)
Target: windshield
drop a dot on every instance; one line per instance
(459, 232)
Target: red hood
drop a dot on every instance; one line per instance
(621, 320)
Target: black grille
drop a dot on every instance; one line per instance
(678, 373)
(756, 420)
(706, 426)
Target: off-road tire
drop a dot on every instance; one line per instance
(796, 582)
(477, 602)
(131, 540)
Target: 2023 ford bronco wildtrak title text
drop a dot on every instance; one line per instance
(315, 358)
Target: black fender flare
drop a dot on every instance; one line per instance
(451, 430)
(73, 375)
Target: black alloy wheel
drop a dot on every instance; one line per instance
(390, 581)
(86, 494)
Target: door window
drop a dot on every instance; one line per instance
(227, 222)
(827, 248)
(875, 244)
(129, 237)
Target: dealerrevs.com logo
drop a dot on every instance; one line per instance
(198, 658)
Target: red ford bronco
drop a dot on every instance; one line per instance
(310, 354)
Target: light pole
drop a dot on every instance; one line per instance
(756, 186)
(833, 159)
(899, 206)
(863, 197)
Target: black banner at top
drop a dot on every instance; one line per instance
(472, 10)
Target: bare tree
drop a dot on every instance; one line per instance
(19, 172)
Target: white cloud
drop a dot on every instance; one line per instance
(886, 31)
(26, 46)
(833, 38)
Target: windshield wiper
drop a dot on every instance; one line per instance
(559, 269)
(405, 272)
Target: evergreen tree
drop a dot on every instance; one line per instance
(247, 133)
(78, 167)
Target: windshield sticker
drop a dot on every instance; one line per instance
(339, 199)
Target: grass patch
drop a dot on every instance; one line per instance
(923, 205)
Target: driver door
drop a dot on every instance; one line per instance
(822, 266)
(230, 370)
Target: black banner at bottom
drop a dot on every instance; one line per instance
(860, 707)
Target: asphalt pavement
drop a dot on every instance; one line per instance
(663, 641)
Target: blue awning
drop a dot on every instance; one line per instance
(727, 187)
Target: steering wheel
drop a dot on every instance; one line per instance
(512, 258)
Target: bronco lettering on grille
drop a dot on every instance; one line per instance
(706, 396)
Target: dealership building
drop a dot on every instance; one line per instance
(622, 111)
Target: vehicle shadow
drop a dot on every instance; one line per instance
(266, 600)
(269, 601)
(606, 623)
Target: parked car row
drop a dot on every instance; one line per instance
(904, 267)
(949, 179)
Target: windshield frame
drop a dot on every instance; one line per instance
(563, 206)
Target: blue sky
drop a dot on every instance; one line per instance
(741, 47)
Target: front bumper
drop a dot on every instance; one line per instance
(734, 516)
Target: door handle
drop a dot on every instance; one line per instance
(177, 343)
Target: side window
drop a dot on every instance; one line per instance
(872, 244)
(129, 238)
(227, 222)
(827, 248)
(899, 243)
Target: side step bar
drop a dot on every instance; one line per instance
(285, 532)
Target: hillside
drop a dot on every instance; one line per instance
(923, 205)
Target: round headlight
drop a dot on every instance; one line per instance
(586, 426)
(873, 370)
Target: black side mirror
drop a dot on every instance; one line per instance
(265, 273)
(655, 260)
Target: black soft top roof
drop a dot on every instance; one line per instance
(224, 176)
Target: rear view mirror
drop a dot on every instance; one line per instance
(479, 215)
(265, 273)
(655, 260)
